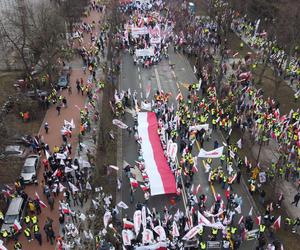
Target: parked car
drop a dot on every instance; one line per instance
(63, 81)
(13, 151)
(36, 93)
(15, 212)
(29, 170)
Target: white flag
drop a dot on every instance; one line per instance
(251, 211)
(216, 153)
(119, 123)
(239, 143)
(73, 187)
(107, 216)
(122, 205)
(68, 170)
(161, 232)
(47, 154)
(114, 167)
(88, 186)
(61, 187)
(175, 231)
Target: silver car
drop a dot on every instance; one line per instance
(29, 170)
(15, 213)
(13, 151)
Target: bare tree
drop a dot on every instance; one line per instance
(14, 30)
(47, 32)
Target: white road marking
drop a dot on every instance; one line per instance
(157, 79)
(140, 84)
(139, 70)
(141, 95)
(139, 77)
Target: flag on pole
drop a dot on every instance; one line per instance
(258, 220)
(175, 231)
(88, 186)
(43, 205)
(107, 216)
(17, 226)
(134, 183)
(127, 224)
(241, 219)
(65, 208)
(61, 187)
(73, 187)
(251, 211)
(277, 223)
(122, 205)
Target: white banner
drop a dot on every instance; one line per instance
(144, 52)
(153, 247)
(199, 127)
(216, 153)
(136, 31)
(155, 36)
(172, 151)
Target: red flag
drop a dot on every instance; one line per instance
(258, 220)
(277, 223)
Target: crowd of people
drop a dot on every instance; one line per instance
(146, 33)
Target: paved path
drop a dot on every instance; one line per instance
(75, 101)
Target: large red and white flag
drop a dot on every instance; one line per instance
(161, 179)
(216, 153)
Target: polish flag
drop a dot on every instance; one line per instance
(197, 189)
(43, 205)
(17, 226)
(65, 208)
(134, 183)
(144, 188)
(277, 223)
(258, 220)
(127, 224)
(161, 178)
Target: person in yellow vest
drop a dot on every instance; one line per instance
(34, 219)
(17, 245)
(27, 220)
(262, 228)
(202, 245)
(27, 234)
(4, 235)
(37, 234)
(214, 234)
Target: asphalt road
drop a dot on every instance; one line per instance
(169, 78)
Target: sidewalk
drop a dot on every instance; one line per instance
(53, 138)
